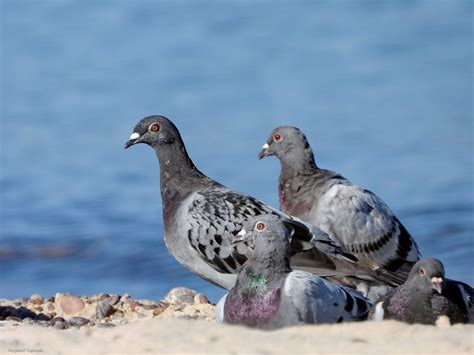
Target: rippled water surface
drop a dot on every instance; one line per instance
(383, 90)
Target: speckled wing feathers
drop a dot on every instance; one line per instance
(216, 215)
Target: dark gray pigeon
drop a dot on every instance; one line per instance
(269, 295)
(359, 220)
(425, 296)
(202, 217)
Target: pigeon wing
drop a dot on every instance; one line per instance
(315, 300)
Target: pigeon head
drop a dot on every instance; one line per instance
(156, 131)
(264, 236)
(288, 144)
(428, 274)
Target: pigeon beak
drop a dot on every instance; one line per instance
(437, 284)
(134, 139)
(264, 152)
(242, 236)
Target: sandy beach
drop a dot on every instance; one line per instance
(183, 322)
(200, 337)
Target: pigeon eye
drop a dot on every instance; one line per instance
(277, 137)
(422, 272)
(260, 226)
(155, 127)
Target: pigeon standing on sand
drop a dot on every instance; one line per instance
(202, 217)
(358, 219)
(269, 295)
(424, 297)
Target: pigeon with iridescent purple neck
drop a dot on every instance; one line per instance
(268, 294)
(425, 296)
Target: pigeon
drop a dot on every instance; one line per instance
(202, 217)
(268, 294)
(358, 219)
(425, 296)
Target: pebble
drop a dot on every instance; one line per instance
(443, 322)
(124, 298)
(78, 321)
(42, 316)
(69, 303)
(180, 295)
(57, 319)
(14, 319)
(113, 299)
(160, 309)
(60, 325)
(199, 298)
(103, 309)
(36, 299)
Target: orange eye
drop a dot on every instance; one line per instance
(422, 272)
(277, 137)
(155, 127)
(260, 226)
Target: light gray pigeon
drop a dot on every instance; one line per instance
(358, 219)
(202, 217)
(269, 295)
(425, 296)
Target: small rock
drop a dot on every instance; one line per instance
(57, 319)
(78, 321)
(36, 299)
(134, 305)
(149, 306)
(42, 316)
(25, 313)
(443, 322)
(69, 303)
(103, 309)
(14, 319)
(102, 296)
(60, 325)
(160, 309)
(199, 298)
(180, 295)
(125, 297)
(112, 299)
(27, 320)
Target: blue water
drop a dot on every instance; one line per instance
(382, 89)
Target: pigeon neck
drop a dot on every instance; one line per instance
(176, 165)
(257, 277)
(178, 175)
(291, 166)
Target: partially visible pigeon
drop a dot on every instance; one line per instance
(269, 295)
(358, 219)
(425, 296)
(202, 217)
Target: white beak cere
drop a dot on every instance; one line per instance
(265, 146)
(134, 135)
(437, 280)
(241, 233)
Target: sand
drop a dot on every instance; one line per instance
(168, 336)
